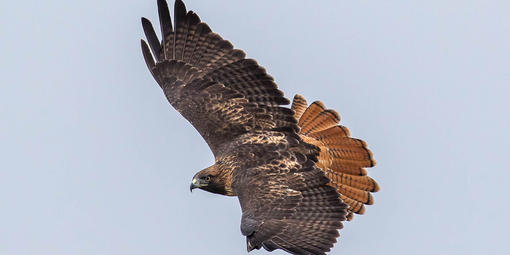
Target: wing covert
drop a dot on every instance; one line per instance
(286, 201)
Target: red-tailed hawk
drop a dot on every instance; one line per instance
(296, 172)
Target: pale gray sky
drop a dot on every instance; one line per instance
(95, 161)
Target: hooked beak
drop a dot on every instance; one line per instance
(192, 187)
(195, 184)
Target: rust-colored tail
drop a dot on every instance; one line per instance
(342, 158)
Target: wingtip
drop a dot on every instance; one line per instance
(152, 38)
(143, 44)
(149, 60)
(165, 20)
(162, 3)
(145, 24)
(179, 3)
(179, 6)
(179, 11)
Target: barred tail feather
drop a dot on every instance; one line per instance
(341, 158)
(298, 106)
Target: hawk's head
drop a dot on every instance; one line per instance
(211, 179)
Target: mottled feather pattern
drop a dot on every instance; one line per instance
(287, 201)
(286, 172)
(341, 157)
(317, 215)
(193, 57)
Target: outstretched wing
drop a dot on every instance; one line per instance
(286, 201)
(211, 84)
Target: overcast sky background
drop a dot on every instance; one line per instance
(93, 160)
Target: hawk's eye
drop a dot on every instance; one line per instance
(208, 178)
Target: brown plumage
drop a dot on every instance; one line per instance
(297, 174)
